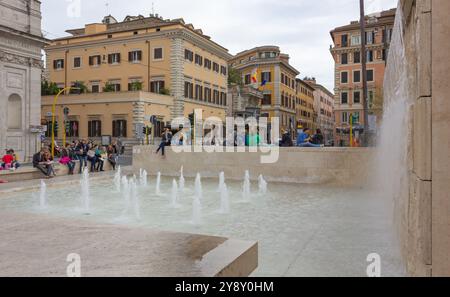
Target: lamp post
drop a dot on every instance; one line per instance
(53, 116)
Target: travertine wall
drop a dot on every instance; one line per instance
(310, 166)
(423, 214)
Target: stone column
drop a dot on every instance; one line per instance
(177, 77)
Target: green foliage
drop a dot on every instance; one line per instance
(79, 88)
(164, 91)
(108, 88)
(136, 86)
(234, 77)
(49, 88)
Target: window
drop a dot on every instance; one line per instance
(216, 98)
(198, 60)
(356, 40)
(216, 67)
(384, 57)
(344, 117)
(95, 60)
(115, 86)
(344, 77)
(58, 64)
(114, 58)
(119, 128)
(156, 86)
(344, 98)
(208, 64)
(72, 129)
(223, 70)
(357, 57)
(158, 53)
(207, 94)
(198, 92)
(135, 56)
(344, 40)
(369, 56)
(188, 90)
(48, 133)
(110, 36)
(266, 77)
(247, 79)
(370, 75)
(95, 88)
(76, 62)
(14, 113)
(371, 96)
(356, 76)
(188, 55)
(223, 98)
(94, 128)
(344, 59)
(282, 78)
(356, 97)
(370, 37)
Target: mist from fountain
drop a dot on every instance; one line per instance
(224, 200)
(221, 181)
(196, 211)
(143, 178)
(246, 186)
(117, 179)
(181, 181)
(198, 187)
(262, 185)
(43, 195)
(135, 198)
(85, 196)
(158, 184)
(126, 194)
(174, 195)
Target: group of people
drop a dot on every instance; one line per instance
(83, 151)
(305, 138)
(10, 161)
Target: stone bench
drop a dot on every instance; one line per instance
(29, 172)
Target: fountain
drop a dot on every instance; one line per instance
(43, 195)
(262, 184)
(85, 198)
(196, 211)
(221, 181)
(174, 195)
(126, 193)
(117, 178)
(198, 187)
(143, 178)
(246, 186)
(158, 184)
(224, 200)
(134, 198)
(182, 181)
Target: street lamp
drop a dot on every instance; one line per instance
(53, 116)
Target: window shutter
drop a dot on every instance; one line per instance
(118, 58)
(124, 132)
(99, 127)
(90, 61)
(118, 88)
(129, 87)
(139, 55)
(54, 64)
(130, 56)
(110, 59)
(62, 64)
(90, 129)
(114, 128)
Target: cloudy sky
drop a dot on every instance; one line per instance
(299, 27)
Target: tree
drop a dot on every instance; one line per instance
(108, 88)
(48, 88)
(79, 88)
(234, 77)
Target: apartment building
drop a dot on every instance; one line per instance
(306, 116)
(324, 107)
(132, 70)
(268, 70)
(346, 51)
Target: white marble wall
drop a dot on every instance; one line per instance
(20, 75)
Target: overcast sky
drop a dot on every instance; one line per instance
(299, 27)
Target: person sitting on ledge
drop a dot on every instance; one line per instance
(165, 141)
(42, 161)
(304, 139)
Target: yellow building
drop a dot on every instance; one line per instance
(306, 115)
(135, 69)
(275, 78)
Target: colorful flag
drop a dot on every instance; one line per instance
(255, 76)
